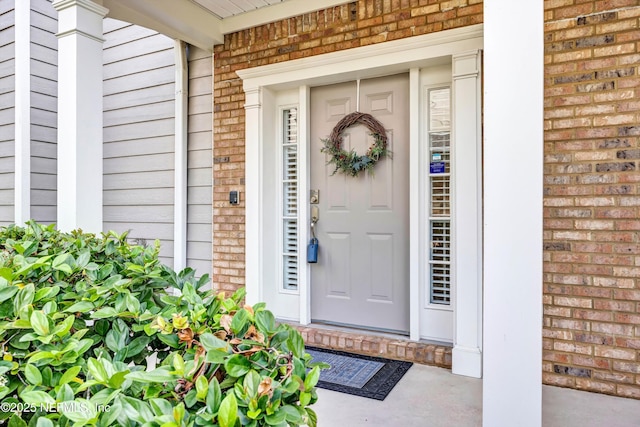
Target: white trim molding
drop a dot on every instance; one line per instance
(22, 171)
(80, 115)
(262, 87)
(467, 213)
(180, 186)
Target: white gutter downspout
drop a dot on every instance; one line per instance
(22, 135)
(180, 167)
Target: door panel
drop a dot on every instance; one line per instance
(362, 274)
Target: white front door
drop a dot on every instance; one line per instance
(362, 275)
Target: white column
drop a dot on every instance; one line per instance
(22, 175)
(180, 153)
(80, 114)
(513, 174)
(467, 214)
(253, 199)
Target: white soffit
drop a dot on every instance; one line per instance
(204, 23)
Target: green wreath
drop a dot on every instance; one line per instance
(349, 162)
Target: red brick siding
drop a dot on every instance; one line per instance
(591, 232)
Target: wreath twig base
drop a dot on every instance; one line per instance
(349, 162)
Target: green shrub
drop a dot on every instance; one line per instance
(92, 333)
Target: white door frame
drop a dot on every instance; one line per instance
(460, 46)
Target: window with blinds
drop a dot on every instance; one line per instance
(290, 227)
(439, 136)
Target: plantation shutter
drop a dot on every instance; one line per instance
(440, 196)
(290, 199)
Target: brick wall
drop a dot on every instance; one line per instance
(352, 25)
(592, 205)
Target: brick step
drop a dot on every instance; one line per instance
(378, 345)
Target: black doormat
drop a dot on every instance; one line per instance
(366, 376)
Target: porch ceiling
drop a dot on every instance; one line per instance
(204, 23)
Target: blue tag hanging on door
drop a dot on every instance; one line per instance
(312, 251)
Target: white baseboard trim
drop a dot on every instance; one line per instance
(467, 361)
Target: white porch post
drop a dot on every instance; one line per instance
(513, 174)
(22, 171)
(80, 114)
(467, 211)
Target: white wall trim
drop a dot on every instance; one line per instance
(180, 159)
(370, 61)
(304, 174)
(177, 19)
(80, 115)
(466, 224)
(253, 191)
(415, 204)
(513, 180)
(367, 61)
(22, 156)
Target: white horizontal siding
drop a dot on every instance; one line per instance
(7, 112)
(163, 144)
(139, 128)
(6, 7)
(44, 117)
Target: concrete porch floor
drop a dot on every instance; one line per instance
(433, 397)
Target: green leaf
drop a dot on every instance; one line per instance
(104, 312)
(80, 307)
(36, 397)
(117, 379)
(266, 322)
(136, 345)
(62, 263)
(312, 420)
(211, 342)
(202, 387)
(214, 395)
(32, 374)
(81, 412)
(158, 375)
(133, 305)
(305, 398)
(16, 421)
(65, 393)
(178, 363)
(216, 356)
(239, 324)
(312, 378)
(44, 422)
(277, 418)
(295, 343)
(97, 370)
(7, 274)
(160, 407)
(40, 323)
(237, 365)
(24, 297)
(62, 328)
(83, 258)
(228, 412)
(251, 383)
(69, 375)
(8, 291)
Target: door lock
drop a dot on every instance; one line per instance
(314, 197)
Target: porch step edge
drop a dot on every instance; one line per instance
(369, 344)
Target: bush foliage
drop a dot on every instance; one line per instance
(96, 331)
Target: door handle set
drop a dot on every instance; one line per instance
(312, 248)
